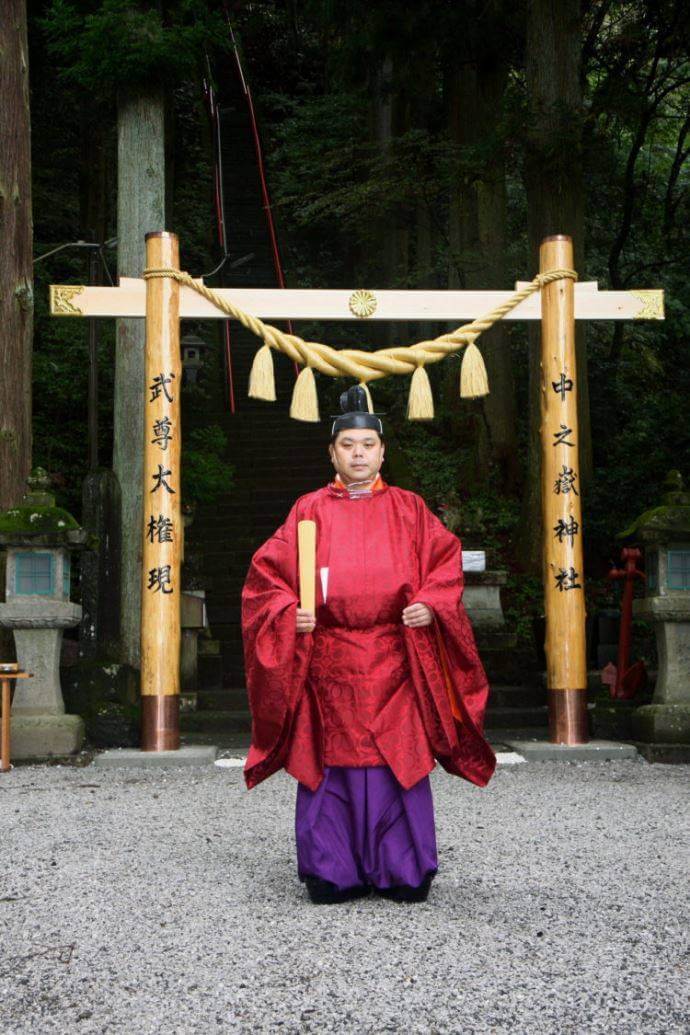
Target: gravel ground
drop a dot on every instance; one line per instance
(145, 901)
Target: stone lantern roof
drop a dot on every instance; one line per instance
(667, 523)
(38, 522)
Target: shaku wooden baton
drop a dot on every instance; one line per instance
(306, 548)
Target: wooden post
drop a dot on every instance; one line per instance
(161, 587)
(564, 586)
(5, 739)
(5, 678)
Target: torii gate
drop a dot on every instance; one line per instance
(163, 301)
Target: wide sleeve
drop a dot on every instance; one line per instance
(276, 657)
(445, 653)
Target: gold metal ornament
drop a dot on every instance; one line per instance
(362, 304)
(653, 304)
(61, 296)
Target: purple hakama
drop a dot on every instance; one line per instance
(361, 827)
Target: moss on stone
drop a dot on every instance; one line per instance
(36, 519)
(661, 519)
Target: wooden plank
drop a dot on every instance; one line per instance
(129, 299)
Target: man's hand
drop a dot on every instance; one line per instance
(306, 621)
(417, 615)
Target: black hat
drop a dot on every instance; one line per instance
(355, 413)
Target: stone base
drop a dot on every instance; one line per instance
(665, 754)
(43, 736)
(662, 724)
(593, 751)
(120, 758)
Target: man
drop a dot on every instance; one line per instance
(358, 700)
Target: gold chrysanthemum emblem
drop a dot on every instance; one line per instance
(362, 304)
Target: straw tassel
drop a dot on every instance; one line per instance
(420, 404)
(370, 404)
(262, 382)
(474, 381)
(305, 401)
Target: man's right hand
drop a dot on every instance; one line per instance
(306, 621)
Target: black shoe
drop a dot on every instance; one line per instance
(406, 892)
(324, 892)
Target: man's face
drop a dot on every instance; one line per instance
(357, 454)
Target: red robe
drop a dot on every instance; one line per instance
(363, 689)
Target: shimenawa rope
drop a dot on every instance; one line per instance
(364, 366)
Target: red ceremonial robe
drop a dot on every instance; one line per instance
(363, 689)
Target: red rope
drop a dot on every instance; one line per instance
(220, 223)
(277, 265)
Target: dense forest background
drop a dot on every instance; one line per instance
(407, 144)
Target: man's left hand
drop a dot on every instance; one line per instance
(417, 615)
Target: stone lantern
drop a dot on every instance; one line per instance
(38, 537)
(193, 348)
(665, 532)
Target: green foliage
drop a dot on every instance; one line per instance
(142, 47)
(205, 474)
(523, 602)
(437, 470)
(60, 378)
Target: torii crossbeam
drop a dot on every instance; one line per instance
(129, 300)
(163, 302)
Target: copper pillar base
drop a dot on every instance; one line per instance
(568, 722)
(160, 722)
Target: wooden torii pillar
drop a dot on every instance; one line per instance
(163, 302)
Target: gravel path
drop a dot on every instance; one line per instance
(166, 901)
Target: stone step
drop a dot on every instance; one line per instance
(516, 697)
(498, 640)
(239, 721)
(223, 613)
(514, 702)
(226, 632)
(261, 505)
(223, 721)
(225, 700)
(236, 533)
(310, 456)
(503, 718)
(265, 437)
(210, 672)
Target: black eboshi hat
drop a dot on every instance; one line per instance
(355, 413)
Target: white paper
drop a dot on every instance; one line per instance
(324, 582)
(474, 560)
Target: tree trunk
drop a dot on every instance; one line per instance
(463, 227)
(463, 241)
(477, 232)
(16, 298)
(497, 442)
(386, 228)
(555, 199)
(93, 175)
(140, 209)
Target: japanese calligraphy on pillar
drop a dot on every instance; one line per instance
(563, 577)
(162, 526)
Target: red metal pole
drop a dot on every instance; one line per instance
(630, 555)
